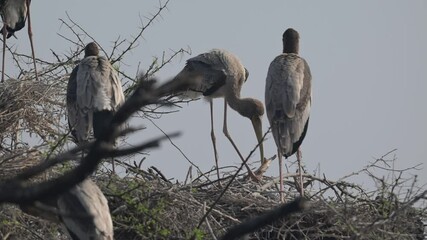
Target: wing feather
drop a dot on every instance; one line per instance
(85, 98)
(98, 88)
(117, 96)
(215, 68)
(84, 210)
(72, 112)
(288, 99)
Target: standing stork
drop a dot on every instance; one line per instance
(94, 93)
(220, 74)
(83, 211)
(14, 13)
(288, 101)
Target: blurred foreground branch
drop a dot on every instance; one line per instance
(18, 190)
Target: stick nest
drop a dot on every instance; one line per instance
(145, 205)
(32, 107)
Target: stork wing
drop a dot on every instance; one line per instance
(78, 117)
(284, 83)
(287, 99)
(84, 211)
(211, 79)
(99, 85)
(214, 67)
(14, 13)
(89, 91)
(117, 96)
(71, 102)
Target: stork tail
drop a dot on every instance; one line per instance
(101, 119)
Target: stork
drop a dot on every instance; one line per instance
(94, 93)
(220, 74)
(288, 101)
(14, 13)
(83, 210)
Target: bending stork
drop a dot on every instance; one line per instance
(220, 74)
(14, 13)
(83, 210)
(288, 101)
(94, 93)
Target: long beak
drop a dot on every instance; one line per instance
(257, 124)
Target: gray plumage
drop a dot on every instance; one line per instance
(219, 73)
(288, 100)
(14, 15)
(93, 88)
(83, 210)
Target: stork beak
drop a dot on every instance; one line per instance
(257, 124)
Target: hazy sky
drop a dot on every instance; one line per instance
(368, 60)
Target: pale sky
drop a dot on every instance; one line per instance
(368, 60)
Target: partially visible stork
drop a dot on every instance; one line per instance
(14, 13)
(288, 101)
(83, 210)
(220, 74)
(94, 93)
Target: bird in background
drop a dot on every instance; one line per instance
(83, 210)
(288, 101)
(14, 13)
(220, 74)
(94, 93)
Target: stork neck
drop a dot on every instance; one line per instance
(236, 103)
(291, 48)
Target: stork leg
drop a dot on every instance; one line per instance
(30, 35)
(113, 166)
(301, 190)
(225, 131)
(279, 153)
(214, 138)
(4, 51)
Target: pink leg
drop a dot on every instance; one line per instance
(4, 52)
(225, 131)
(300, 173)
(279, 153)
(113, 166)
(30, 35)
(214, 138)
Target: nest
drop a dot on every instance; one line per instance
(19, 160)
(147, 206)
(33, 107)
(172, 211)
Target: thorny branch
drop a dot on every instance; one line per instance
(132, 43)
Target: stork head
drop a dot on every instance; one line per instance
(254, 109)
(290, 40)
(91, 49)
